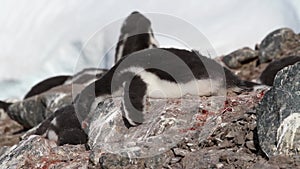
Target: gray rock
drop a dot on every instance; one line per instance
(34, 110)
(109, 160)
(3, 150)
(210, 159)
(37, 152)
(167, 123)
(239, 57)
(279, 43)
(180, 152)
(278, 114)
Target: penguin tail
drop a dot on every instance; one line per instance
(4, 105)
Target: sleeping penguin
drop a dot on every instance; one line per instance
(157, 73)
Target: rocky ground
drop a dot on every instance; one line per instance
(232, 140)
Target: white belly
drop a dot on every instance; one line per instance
(158, 88)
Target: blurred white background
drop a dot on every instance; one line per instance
(42, 38)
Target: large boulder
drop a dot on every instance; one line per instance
(279, 43)
(278, 114)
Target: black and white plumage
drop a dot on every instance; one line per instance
(157, 73)
(268, 75)
(63, 127)
(87, 76)
(136, 34)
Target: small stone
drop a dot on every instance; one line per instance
(249, 136)
(175, 160)
(239, 140)
(239, 57)
(180, 152)
(190, 144)
(230, 135)
(250, 145)
(219, 165)
(226, 144)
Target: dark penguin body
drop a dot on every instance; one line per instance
(83, 77)
(136, 34)
(157, 73)
(63, 127)
(4, 105)
(46, 85)
(268, 75)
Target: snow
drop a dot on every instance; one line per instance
(41, 38)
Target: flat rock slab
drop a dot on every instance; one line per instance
(167, 122)
(37, 152)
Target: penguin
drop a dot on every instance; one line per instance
(136, 34)
(268, 75)
(87, 76)
(156, 73)
(46, 85)
(83, 77)
(63, 127)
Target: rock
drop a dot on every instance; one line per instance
(8, 130)
(279, 43)
(219, 165)
(36, 109)
(278, 114)
(225, 158)
(250, 145)
(180, 152)
(249, 136)
(168, 122)
(3, 150)
(239, 57)
(109, 160)
(175, 160)
(37, 152)
(269, 73)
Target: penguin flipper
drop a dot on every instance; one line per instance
(134, 102)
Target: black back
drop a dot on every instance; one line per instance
(268, 75)
(46, 85)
